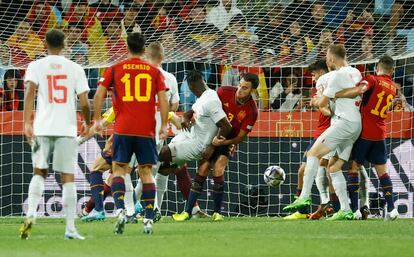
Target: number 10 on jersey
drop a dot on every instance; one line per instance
(128, 97)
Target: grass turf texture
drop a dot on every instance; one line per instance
(233, 237)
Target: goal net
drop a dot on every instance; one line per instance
(276, 40)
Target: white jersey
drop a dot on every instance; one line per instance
(171, 82)
(345, 108)
(322, 82)
(58, 81)
(207, 112)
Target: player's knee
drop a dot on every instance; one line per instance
(40, 172)
(100, 164)
(337, 166)
(380, 169)
(323, 163)
(354, 167)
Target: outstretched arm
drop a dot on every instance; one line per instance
(351, 92)
(217, 141)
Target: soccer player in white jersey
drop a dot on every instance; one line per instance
(205, 120)
(155, 55)
(340, 136)
(58, 81)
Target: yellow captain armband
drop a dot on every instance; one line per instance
(170, 115)
(109, 115)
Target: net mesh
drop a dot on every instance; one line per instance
(274, 39)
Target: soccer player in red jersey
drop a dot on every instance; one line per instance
(241, 110)
(135, 83)
(378, 94)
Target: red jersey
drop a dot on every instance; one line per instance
(375, 104)
(241, 116)
(324, 122)
(135, 84)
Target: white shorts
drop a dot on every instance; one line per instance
(329, 155)
(185, 148)
(341, 136)
(64, 150)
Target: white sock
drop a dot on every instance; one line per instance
(138, 190)
(162, 183)
(339, 184)
(311, 169)
(69, 198)
(322, 183)
(129, 195)
(36, 188)
(363, 187)
(195, 210)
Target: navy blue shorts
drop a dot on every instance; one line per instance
(144, 148)
(107, 158)
(311, 143)
(374, 152)
(221, 150)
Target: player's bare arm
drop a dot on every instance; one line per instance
(164, 108)
(175, 120)
(174, 107)
(86, 112)
(321, 102)
(186, 120)
(224, 128)
(351, 92)
(97, 106)
(28, 109)
(234, 141)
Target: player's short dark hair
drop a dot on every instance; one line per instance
(136, 42)
(252, 78)
(338, 50)
(194, 76)
(55, 38)
(318, 66)
(386, 62)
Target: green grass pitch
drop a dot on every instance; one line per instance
(253, 237)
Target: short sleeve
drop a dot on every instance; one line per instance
(368, 81)
(107, 78)
(81, 82)
(215, 110)
(334, 84)
(31, 74)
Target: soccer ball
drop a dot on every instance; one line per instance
(274, 176)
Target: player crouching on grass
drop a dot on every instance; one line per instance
(241, 110)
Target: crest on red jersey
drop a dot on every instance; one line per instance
(241, 115)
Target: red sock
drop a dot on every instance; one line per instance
(184, 182)
(107, 190)
(89, 205)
